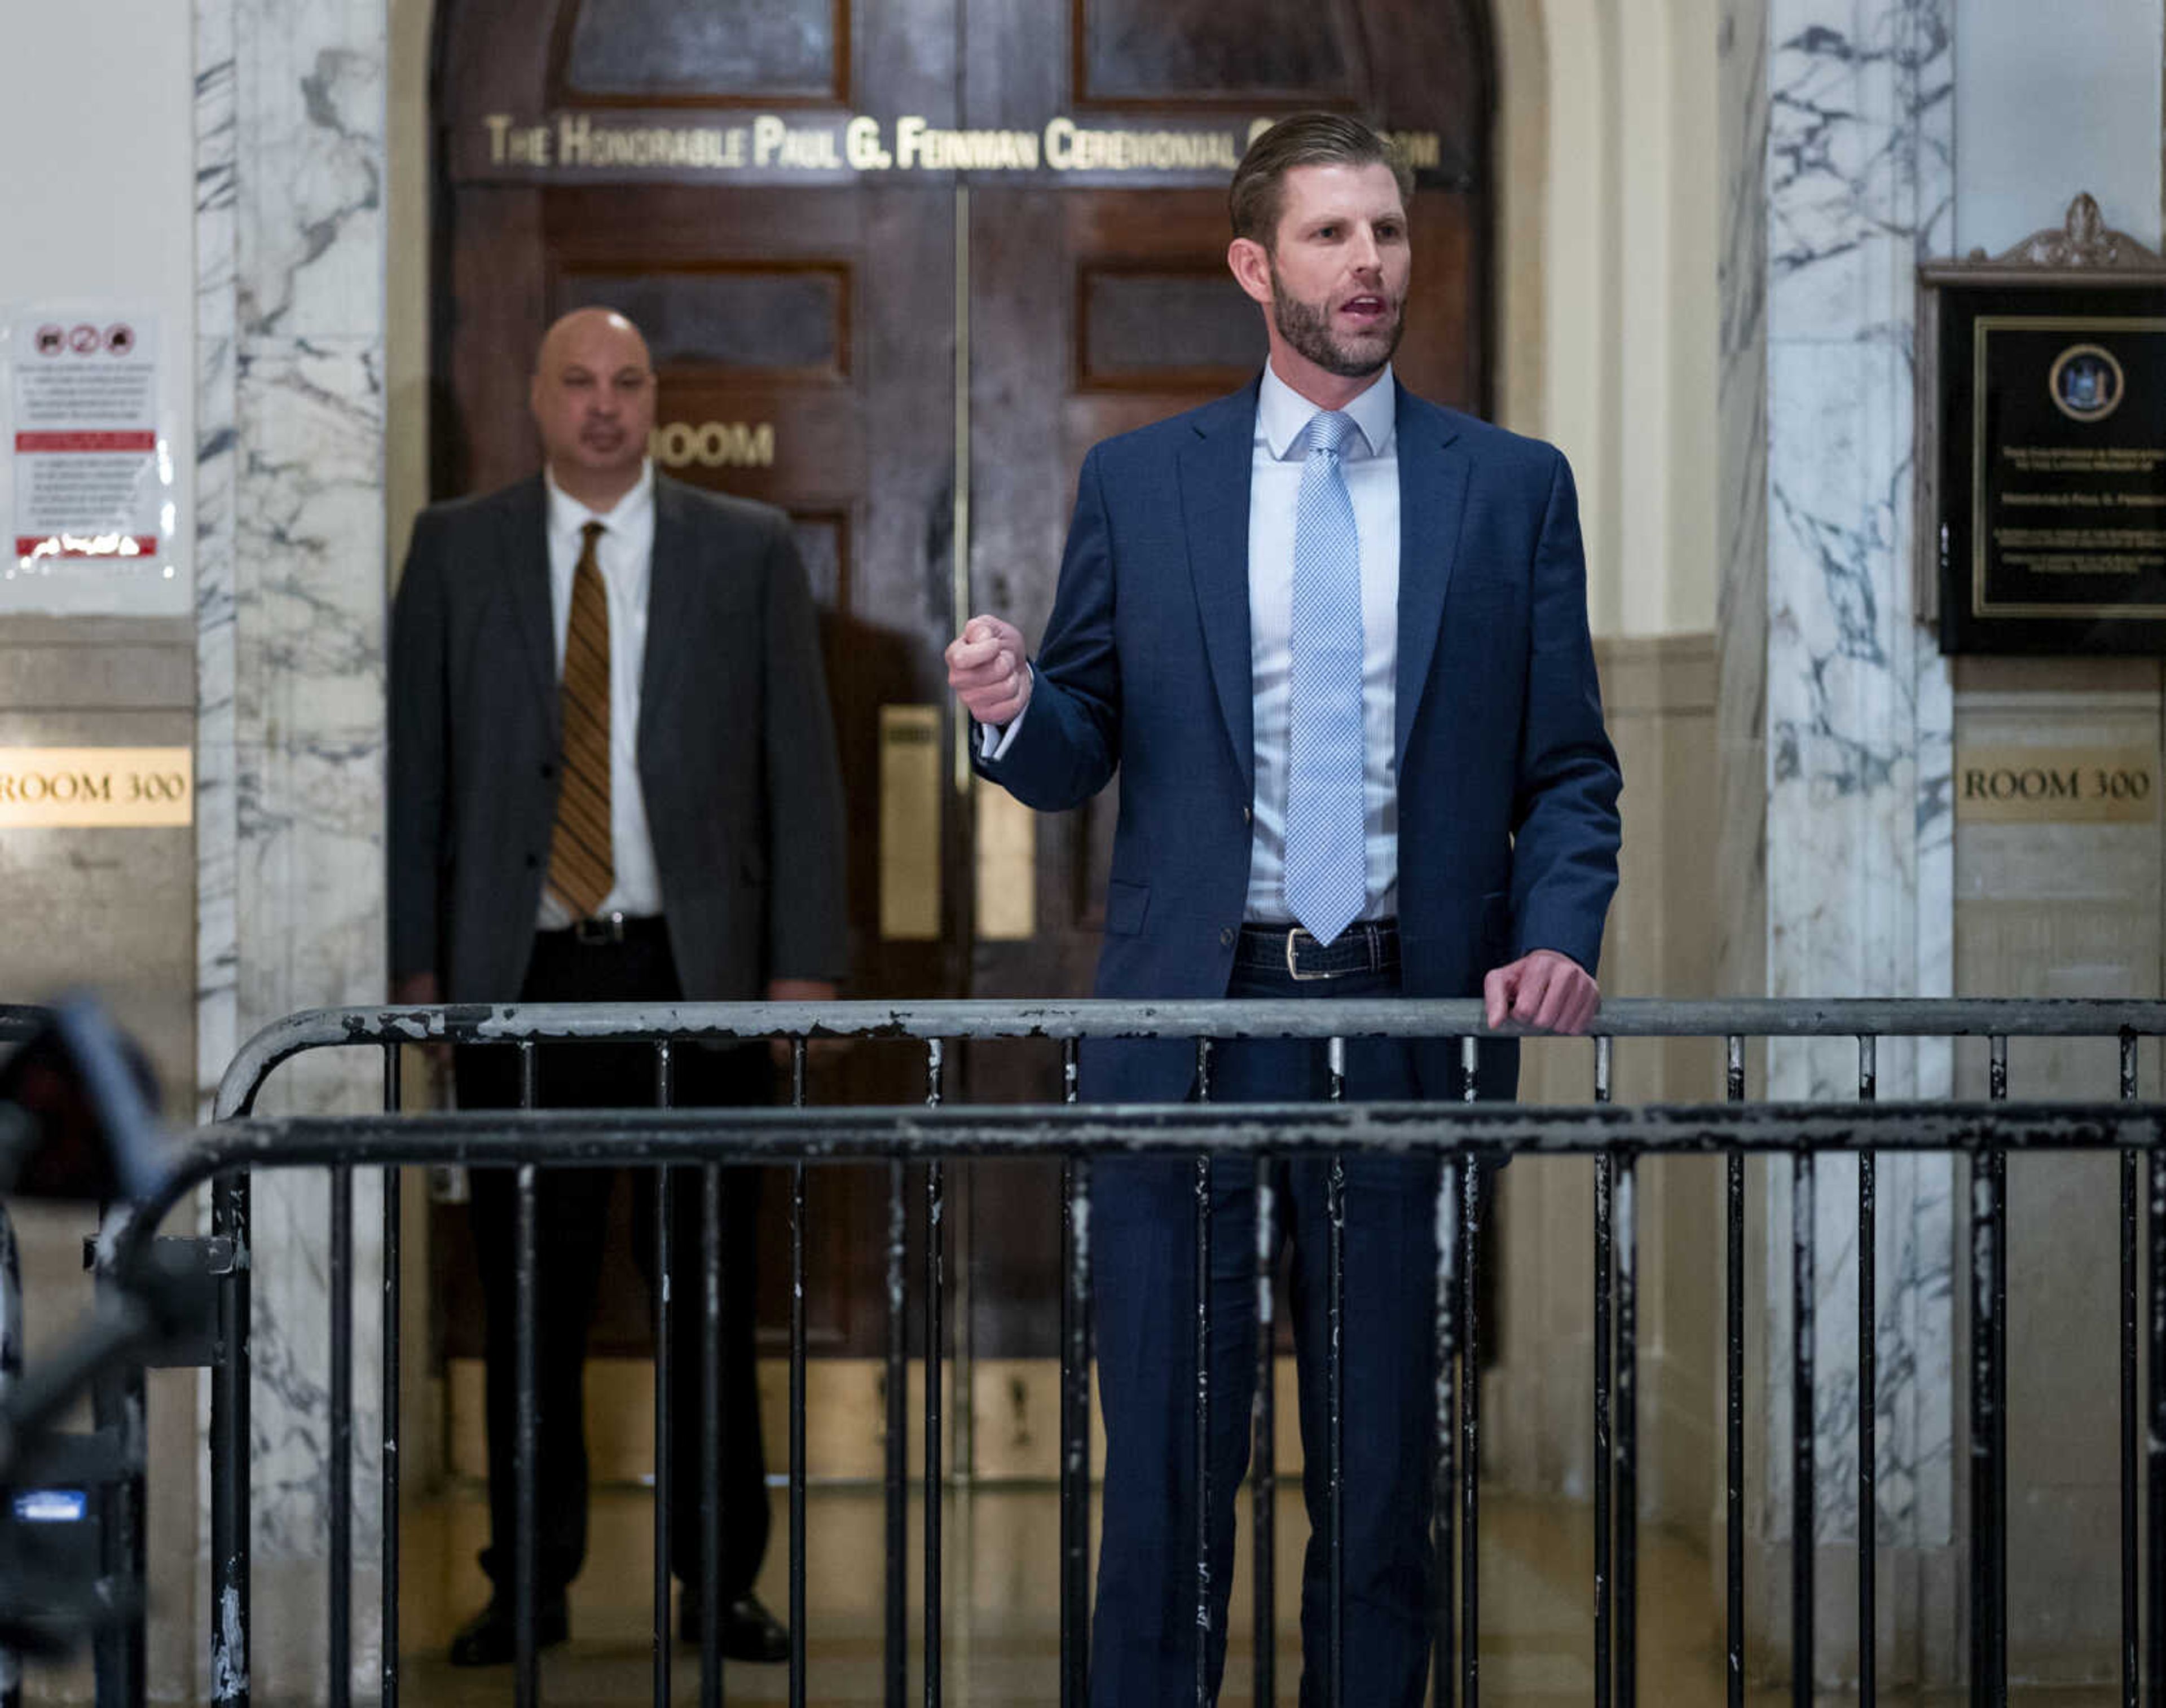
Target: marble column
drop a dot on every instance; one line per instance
(1836, 719)
(290, 599)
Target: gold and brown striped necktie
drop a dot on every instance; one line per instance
(582, 869)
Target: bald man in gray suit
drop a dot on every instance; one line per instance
(613, 778)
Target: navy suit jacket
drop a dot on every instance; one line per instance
(1508, 783)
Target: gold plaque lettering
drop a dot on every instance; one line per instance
(713, 444)
(773, 143)
(2055, 785)
(50, 788)
(910, 822)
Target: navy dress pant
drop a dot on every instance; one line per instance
(1142, 1233)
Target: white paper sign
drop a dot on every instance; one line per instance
(91, 516)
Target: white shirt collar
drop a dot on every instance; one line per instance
(568, 516)
(1283, 412)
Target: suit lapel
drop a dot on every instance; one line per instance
(1215, 468)
(525, 546)
(1432, 503)
(671, 583)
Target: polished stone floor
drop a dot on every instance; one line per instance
(1001, 1629)
(1002, 1625)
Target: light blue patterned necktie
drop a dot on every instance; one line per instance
(1327, 881)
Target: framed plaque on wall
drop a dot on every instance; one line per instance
(2041, 477)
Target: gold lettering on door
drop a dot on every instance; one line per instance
(713, 444)
(572, 141)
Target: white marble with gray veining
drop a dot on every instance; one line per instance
(1858, 188)
(290, 601)
(1741, 605)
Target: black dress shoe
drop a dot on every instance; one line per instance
(491, 1638)
(749, 1632)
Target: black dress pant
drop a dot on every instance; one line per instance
(572, 1220)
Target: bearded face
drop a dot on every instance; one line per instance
(1351, 332)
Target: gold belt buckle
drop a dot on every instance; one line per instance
(1293, 966)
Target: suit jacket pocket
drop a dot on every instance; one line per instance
(1126, 904)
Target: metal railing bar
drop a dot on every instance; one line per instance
(713, 1436)
(526, 1687)
(1627, 1497)
(665, 1380)
(1734, 1381)
(1202, 1189)
(2131, 1677)
(1802, 1456)
(1997, 1529)
(230, 1518)
(1604, 1187)
(2155, 1483)
(1264, 1451)
(1470, 1396)
(798, 1344)
(935, 1239)
(119, 1410)
(1444, 1676)
(613, 1137)
(1981, 1428)
(338, 1467)
(896, 1651)
(1334, 1368)
(1868, 1399)
(1103, 1018)
(1074, 1404)
(1203, 1619)
(230, 1541)
(387, 1493)
(1470, 1434)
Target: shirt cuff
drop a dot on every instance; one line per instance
(994, 740)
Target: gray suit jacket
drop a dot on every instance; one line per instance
(737, 748)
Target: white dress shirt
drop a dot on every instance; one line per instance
(1370, 461)
(625, 555)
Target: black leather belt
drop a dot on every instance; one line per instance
(607, 929)
(1365, 946)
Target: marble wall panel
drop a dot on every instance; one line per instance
(1859, 187)
(1741, 951)
(1838, 121)
(290, 612)
(217, 1024)
(310, 234)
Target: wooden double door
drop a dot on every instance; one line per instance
(901, 263)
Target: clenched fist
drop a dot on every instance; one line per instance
(988, 669)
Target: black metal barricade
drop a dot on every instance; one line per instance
(1461, 1136)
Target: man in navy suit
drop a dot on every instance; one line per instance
(1334, 640)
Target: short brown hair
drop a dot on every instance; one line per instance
(1306, 138)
